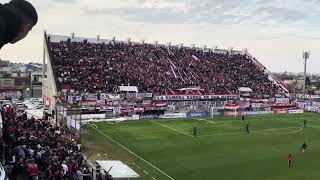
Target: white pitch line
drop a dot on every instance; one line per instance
(138, 167)
(154, 178)
(133, 153)
(95, 125)
(208, 121)
(293, 132)
(145, 172)
(261, 131)
(171, 128)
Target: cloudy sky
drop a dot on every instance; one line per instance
(274, 31)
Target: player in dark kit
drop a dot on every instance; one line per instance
(242, 118)
(247, 128)
(304, 147)
(289, 159)
(305, 123)
(194, 132)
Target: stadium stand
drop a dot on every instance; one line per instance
(39, 150)
(103, 67)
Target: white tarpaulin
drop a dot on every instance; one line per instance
(128, 88)
(118, 170)
(245, 89)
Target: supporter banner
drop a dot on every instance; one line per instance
(74, 98)
(104, 96)
(232, 113)
(194, 97)
(156, 108)
(160, 104)
(282, 100)
(106, 108)
(296, 111)
(0, 124)
(197, 114)
(231, 106)
(281, 104)
(149, 116)
(138, 110)
(173, 115)
(139, 95)
(88, 102)
(134, 117)
(260, 105)
(307, 96)
(312, 109)
(90, 97)
(281, 111)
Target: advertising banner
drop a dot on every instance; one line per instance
(173, 115)
(232, 113)
(149, 116)
(296, 111)
(246, 113)
(134, 117)
(216, 113)
(197, 114)
(266, 112)
(281, 111)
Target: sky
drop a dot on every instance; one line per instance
(276, 32)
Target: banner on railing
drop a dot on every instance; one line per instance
(195, 97)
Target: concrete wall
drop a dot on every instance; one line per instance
(49, 88)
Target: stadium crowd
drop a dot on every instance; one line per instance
(40, 150)
(94, 67)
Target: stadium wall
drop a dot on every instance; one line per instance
(49, 90)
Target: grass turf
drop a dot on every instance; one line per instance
(221, 151)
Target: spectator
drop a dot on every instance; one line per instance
(80, 174)
(17, 18)
(92, 67)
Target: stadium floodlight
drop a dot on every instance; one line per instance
(204, 47)
(230, 49)
(72, 35)
(193, 45)
(98, 37)
(142, 41)
(181, 45)
(113, 38)
(169, 44)
(155, 43)
(128, 40)
(306, 56)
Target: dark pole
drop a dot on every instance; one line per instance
(80, 118)
(56, 109)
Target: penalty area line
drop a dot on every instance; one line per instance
(132, 153)
(172, 129)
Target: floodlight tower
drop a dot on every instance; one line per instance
(306, 56)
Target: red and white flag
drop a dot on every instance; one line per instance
(194, 58)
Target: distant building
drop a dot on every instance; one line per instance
(36, 82)
(16, 78)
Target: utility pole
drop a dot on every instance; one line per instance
(306, 56)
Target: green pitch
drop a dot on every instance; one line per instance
(222, 150)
